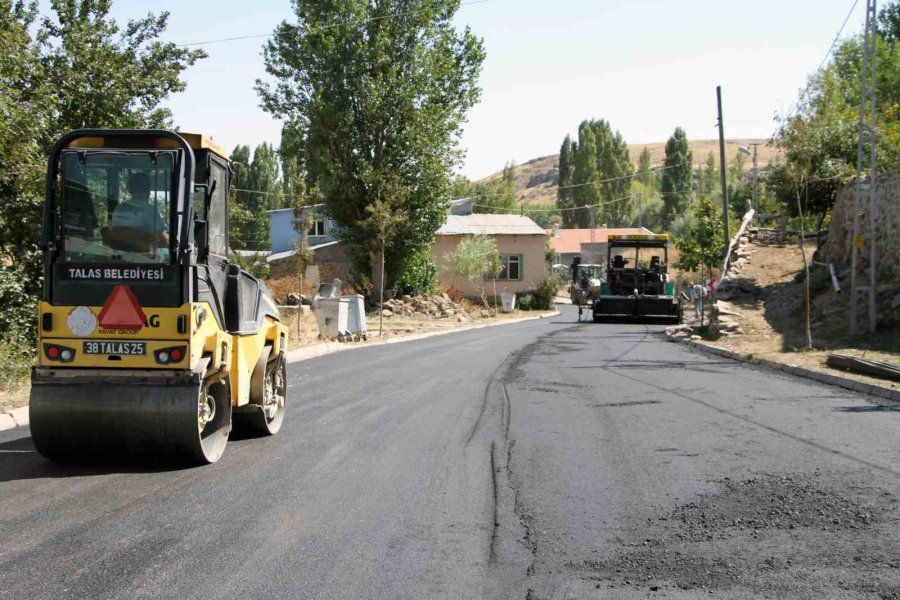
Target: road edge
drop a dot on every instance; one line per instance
(301, 354)
(879, 391)
(18, 417)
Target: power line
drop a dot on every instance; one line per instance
(323, 27)
(557, 210)
(575, 185)
(824, 60)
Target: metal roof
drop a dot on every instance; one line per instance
(289, 253)
(484, 224)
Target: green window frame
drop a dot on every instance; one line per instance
(512, 267)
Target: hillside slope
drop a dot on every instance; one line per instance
(536, 179)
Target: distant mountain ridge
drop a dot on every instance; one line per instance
(536, 179)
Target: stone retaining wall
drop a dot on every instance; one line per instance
(839, 246)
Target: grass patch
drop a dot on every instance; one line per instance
(17, 360)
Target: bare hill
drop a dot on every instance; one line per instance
(536, 179)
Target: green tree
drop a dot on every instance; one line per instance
(498, 195)
(703, 245)
(240, 219)
(257, 188)
(98, 74)
(677, 175)
(645, 167)
(819, 138)
(585, 175)
(615, 169)
(600, 154)
(889, 22)
(72, 67)
(565, 195)
(709, 176)
(373, 96)
(24, 110)
(461, 187)
(474, 257)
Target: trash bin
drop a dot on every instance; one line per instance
(343, 319)
(507, 302)
(356, 316)
(328, 317)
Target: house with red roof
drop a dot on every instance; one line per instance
(568, 243)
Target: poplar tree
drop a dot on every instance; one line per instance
(587, 194)
(373, 96)
(676, 176)
(644, 166)
(565, 194)
(615, 168)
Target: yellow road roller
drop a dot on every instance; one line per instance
(151, 343)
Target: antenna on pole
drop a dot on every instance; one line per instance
(865, 197)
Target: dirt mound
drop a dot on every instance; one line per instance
(783, 502)
(648, 567)
(788, 535)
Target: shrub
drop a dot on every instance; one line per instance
(18, 318)
(16, 358)
(525, 302)
(418, 275)
(546, 292)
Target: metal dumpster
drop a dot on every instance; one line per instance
(343, 319)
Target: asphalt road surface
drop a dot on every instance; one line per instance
(547, 459)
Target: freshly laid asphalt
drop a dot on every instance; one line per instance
(544, 459)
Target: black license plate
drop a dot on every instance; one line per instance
(119, 348)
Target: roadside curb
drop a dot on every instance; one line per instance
(826, 378)
(19, 416)
(309, 352)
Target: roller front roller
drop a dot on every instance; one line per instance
(169, 416)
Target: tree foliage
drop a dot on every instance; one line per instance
(497, 195)
(677, 175)
(69, 68)
(599, 155)
(474, 257)
(702, 246)
(565, 195)
(97, 73)
(645, 168)
(708, 181)
(373, 96)
(819, 138)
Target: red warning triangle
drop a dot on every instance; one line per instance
(121, 310)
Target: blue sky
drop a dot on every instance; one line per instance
(645, 66)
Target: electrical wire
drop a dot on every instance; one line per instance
(323, 27)
(574, 185)
(834, 42)
(557, 210)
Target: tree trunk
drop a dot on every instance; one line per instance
(375, 257)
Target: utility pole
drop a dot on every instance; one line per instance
(640, 210)
(722, 173)
(755, 178)
(865, 196)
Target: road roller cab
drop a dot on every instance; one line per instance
(150, 341)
